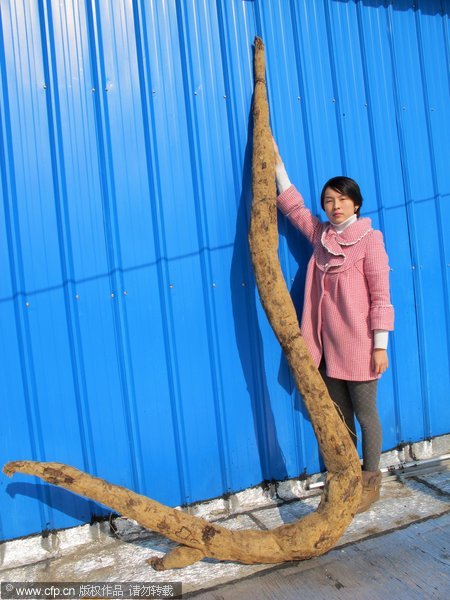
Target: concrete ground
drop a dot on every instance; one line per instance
(410, 563)
(398, 549)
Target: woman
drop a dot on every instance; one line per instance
(347, 311)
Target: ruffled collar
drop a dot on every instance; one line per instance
(351, 234)
(333, 241)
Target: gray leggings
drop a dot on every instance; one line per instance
(358, 398)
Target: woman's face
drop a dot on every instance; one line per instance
(338, 207)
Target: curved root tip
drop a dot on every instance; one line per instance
(258, 42)
(11, 467)
(179, 557)
(157, 563)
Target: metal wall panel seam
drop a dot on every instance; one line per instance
(259, 29)
(120, 304)
(239, 92)
(440, 220)
(154, 188)
(204, 249)
(402, 343)
(64, 240)
(113, 243)
(230, 93)
(417, 286)
(130, 32)
(306, 116)
(411, 226)
(381, 209)
(28, 379)
(79, 351)
(337, 103)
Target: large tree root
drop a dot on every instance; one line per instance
(305, 538)
(317, 532)
(343, 487)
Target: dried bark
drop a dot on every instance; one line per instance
(317, 532)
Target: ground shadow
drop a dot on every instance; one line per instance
(300, 249)
(60, 499)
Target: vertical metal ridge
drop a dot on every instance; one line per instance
(128, 354)
(372, 136)
(259, 30)
(89, 161)
(233, 112)
(412, 231)
(331, 56)
(154, 185)
(228, 88)
(446, 34)
(256, 385)
(437, 206)
(381, 208)
(204, 249)
(122, 320)
(64, 239)
(306, 117)
(108, 197)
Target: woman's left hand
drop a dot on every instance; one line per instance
(278, 159)
(380, 361)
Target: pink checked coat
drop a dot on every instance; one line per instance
(346, 291)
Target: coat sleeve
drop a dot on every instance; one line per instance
(292, 205)
(376, 271)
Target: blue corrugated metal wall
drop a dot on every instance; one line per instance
(132, 342)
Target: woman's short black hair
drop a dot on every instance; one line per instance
(346, 186)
